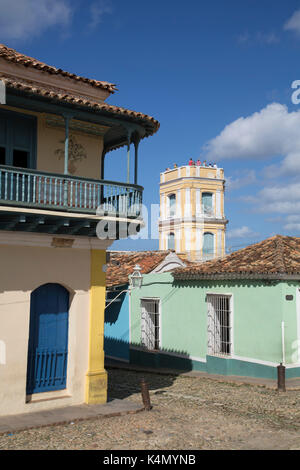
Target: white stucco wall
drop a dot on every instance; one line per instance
(23, 269)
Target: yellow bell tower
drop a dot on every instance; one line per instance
(192, 220)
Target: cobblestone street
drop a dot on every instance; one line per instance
(188, 413)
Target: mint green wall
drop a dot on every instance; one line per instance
(258, 310)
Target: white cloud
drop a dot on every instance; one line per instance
(292, 227)
(283, 199)
(242, 232)
(293, 218)
(271, 132)
(290, 223)
(246, 177)
(293, 23)
(97, 10)
(21, 19)
(258, 38)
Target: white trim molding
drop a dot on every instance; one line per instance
(178, 203)
(46, 240)
(218, 204)
(219, 243)
(170, 262)
(198, 203)
(187, 205)
(188, 236)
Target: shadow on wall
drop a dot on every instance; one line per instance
(116, 348)
(113, 311)
(123, 381)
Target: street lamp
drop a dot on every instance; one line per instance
(136, 278)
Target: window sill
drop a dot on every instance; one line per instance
(221, 356)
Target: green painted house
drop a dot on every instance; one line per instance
(238, 315)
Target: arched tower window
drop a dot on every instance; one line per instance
(208, 245)
(171, 241)
(207, 204)
(172, 205)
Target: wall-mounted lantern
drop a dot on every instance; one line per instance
(136, 278)
(135, 281)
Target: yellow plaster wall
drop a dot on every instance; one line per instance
(50, 139)
(96, 377)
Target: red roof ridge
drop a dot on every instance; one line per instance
(278, 255)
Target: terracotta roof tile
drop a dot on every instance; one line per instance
(12, 55)
(52, 93)
(121, 264)
(275, 256)
(150, 124)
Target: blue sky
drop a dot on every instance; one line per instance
(217, 76)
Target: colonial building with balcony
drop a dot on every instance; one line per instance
(56, 132)
(192, 220)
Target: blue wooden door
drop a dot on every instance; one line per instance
(48, 339)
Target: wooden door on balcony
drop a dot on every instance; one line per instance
(48, 339)
(17, 149)
(17, 139)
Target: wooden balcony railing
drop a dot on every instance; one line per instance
(40, 190)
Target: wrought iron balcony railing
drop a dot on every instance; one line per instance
(40, 190)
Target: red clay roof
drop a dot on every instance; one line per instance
(12, 55)
(150, 124)
(276, 256)
(121, 264)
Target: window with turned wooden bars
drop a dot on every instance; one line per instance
(219, 323)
